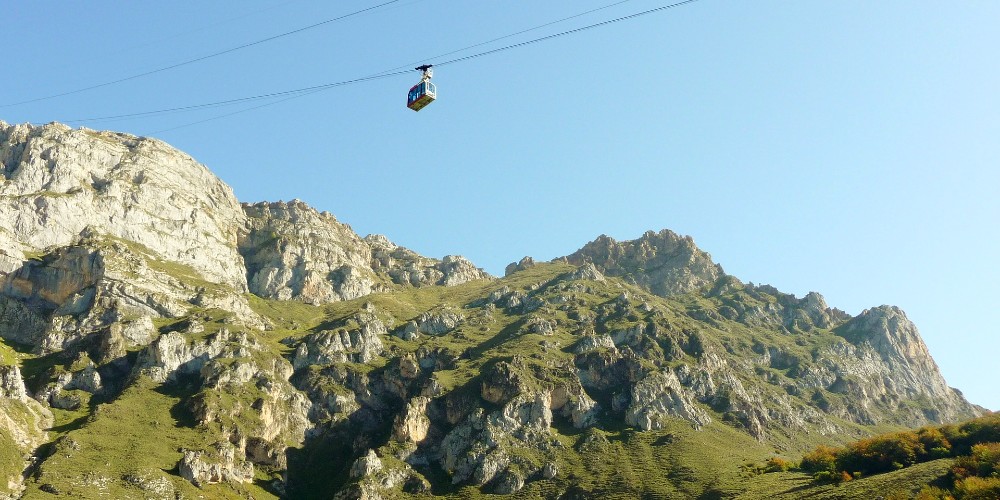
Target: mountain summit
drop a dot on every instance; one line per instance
(662, 263)
(159, 339)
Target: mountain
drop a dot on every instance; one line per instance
(160, 339)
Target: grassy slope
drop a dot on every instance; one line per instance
(794, 485)
(140, 434)
(144, 429)
(11, 458)
(679, 462)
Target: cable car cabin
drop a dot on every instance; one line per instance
(421, 95)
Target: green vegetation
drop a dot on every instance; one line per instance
(974, 447)
(522, 334)
(141, 432)
(8, 356)
(903, 484)
(11, 458)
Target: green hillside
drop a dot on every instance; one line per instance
(530, 335)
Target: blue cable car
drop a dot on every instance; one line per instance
(422, 93)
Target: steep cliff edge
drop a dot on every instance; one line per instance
(907, 371)
(58, 181)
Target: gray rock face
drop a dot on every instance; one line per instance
(358, 345)
(786, 311)
(294, 252)
(439, 322)
(525, 263)
(589, 343)
(660, 395)
(22, 427)
(586, 271)
(572, 401)
(117, 227)
(55, 301)
(550, 471)
(889, 356)
(406, 267)
(11, 384)
(475, 450)
(202, 469)
(413, 424)
(172, 354)
(58, 181)
(664, 263)
(366, 465)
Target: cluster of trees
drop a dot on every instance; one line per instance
(975, 445)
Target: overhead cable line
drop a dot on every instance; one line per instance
(157, 41)
(540, 26)
(569, 32)
(244, 110)
(202, 58)
(378, 76)
(238, 100)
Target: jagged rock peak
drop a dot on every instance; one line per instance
(293, 211)
(894, 338)
(786, 310)
(294, 252)
(133, 188)
(890, 332)
(11, 383)
(664, 263)
(520, 265)
(406, 267)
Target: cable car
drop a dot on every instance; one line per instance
(424, 92)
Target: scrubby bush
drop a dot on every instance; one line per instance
(978, 488)
(823, 476)
(984, 429)
(933, 493)
(777, 464)
(881, 453)
(822, 459)
(975, 471)
(983, 461)
(934, 443)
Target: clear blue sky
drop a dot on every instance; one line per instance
(845, 147)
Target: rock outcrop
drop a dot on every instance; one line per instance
(887, 359)
(23, 425)
(664, 263)
(294, 252)
(59, 181)
(405, 267)
(203, 469)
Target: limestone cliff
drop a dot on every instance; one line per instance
(664, 263)
(294, 252)
(59, 181)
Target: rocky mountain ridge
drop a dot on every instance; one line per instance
(274, 352)
(294, 252)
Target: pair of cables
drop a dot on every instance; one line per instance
(285, 95)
